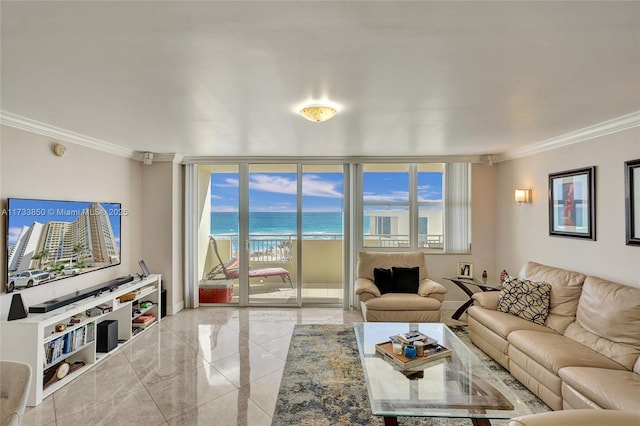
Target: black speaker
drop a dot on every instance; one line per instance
(107, 338)
(16, 310)
(163, 303)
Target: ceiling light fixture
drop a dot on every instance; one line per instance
(318, 113)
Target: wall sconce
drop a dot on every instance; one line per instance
(523, 196)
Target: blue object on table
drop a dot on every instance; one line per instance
(410, 351)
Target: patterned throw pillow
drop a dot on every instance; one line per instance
(525, 299)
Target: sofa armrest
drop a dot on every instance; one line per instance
(582, 417)
(431, 288)
(366, 289)
(487, 299)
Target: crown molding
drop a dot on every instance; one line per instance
(23, 123)
(604, 128)
(160, 157)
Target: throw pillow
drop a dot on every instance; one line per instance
(405, 280)
(382, 278)
(525, 299)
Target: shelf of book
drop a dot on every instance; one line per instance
(68, 334)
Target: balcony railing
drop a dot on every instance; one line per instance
(277, 248)
(424, 241)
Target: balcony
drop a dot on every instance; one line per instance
(322, 264)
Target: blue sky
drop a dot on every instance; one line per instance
(23, 212)
(320, 191)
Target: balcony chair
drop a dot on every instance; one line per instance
(391, 306)
(229, 269)
(15, 380)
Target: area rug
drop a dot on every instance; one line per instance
(323, 382)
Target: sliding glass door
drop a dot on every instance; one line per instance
(323, 233)
(272, 234)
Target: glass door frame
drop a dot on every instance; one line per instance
(192, 213)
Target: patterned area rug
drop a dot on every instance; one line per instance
(323, 382)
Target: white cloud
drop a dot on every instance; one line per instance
(429, 193)
(312, 185)
(228, 183)
(392, 197)
(223, 209)
(14, 233)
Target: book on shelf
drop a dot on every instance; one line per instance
(144, 319)
(431, 353)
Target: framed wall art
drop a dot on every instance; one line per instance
(632, 201)
(572, 199)
(465, 270)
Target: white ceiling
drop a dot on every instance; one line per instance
(224, 78)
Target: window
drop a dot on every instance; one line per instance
(383, 225)
(421, 206)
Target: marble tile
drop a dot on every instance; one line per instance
(189, 390)
(247, 365)
(137, 408)
(234, 408)
(279, 347)
(42, 415)
(264, 391)
(158, 365)
(113, 379)
(158, 338)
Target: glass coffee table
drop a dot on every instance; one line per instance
(459, 386)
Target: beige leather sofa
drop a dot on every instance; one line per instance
(586, 355)
(583, 417)
(397, 307)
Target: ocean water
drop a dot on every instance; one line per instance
(316, 224)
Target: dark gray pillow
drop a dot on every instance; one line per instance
(405, 280)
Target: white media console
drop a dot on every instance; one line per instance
(34, 339)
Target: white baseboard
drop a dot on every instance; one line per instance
(175, 308)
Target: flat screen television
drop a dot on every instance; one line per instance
(49, 240)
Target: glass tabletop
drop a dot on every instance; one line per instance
(473, 281)
(460, 385)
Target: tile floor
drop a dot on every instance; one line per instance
(208, 366)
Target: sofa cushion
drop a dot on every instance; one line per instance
(502, 323)
(554, 351)
(566, 287)
(405, 280)
(613, 389)
(368, 260)
(585, 417)
(402, 302)
(383, 279)
(608, 320)
(525, 299)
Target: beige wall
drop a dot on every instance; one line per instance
(29, 169)
(162, 243)
(523, 232)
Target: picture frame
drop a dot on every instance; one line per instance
(465, 270)
(572, 200)
(632, 201)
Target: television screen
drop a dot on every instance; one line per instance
(51, 240)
